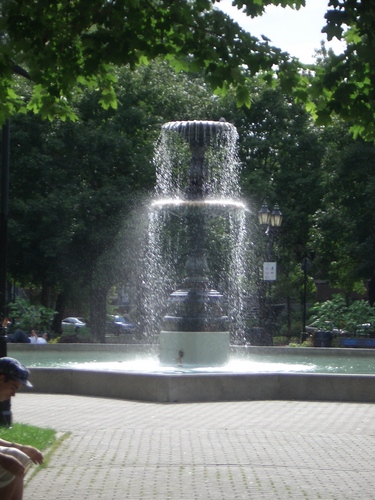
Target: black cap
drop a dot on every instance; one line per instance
(14, 370)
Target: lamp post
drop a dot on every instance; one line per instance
(269, 220)
(4, 194)
(4, 202)
(5, 406)
(306, 259)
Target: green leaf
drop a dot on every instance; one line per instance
(108, 98)
(243, 97)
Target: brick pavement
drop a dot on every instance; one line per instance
(120, 450)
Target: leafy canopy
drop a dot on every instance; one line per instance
(344, 84)
(66, 45)
(70, 44)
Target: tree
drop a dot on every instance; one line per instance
(75, 184)
(65, 46)
(340, 230)
(281, 152)
(344, 84)
(68, 45)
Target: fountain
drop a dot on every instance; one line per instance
(195, 329)
(194, 360)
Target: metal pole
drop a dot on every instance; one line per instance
(5, 406)
(304, 298)
(4, 216)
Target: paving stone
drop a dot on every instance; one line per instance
(120, 450)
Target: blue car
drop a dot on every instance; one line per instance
(120, 324)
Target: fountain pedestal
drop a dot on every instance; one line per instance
(195, 330)
(189, 349)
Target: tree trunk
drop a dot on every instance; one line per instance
(371, 291)
(289, 317)
(46, 296)
(59, 307)
(98, 311)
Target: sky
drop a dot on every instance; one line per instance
(295, 31)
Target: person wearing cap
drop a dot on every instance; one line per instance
(15, 459)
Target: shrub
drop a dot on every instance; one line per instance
(71, 336)
(338, 313)
(31, 316)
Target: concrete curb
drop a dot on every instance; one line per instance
(205, 387)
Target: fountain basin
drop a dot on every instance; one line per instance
(178, 384)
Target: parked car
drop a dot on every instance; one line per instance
(71, 323)
(322, 335)
(117, 325)
(366, 330)
(363, 336)
(329, 326)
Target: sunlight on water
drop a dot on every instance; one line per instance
(217, 203)
(121, 362)
(152, 366)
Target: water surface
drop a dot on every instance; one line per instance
(129, 362)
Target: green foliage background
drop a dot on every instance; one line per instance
(76, 188)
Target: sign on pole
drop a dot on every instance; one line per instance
(269, 271)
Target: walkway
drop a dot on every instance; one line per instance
(121, 450)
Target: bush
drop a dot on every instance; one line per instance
(338, 313)
(31, 316)
(295, 329)
(82, 336)
(283, 340)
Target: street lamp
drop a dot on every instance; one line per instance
(264, 215)
(267, 218)
(271, 220)
(276, 216)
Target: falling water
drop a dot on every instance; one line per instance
(172, 157)
(197, 171)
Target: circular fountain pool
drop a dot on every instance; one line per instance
(133, 372)
(142, 359)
